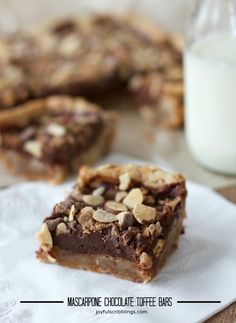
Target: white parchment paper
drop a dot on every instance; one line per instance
(203, 267)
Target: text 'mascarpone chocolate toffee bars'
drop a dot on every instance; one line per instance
(123, 220)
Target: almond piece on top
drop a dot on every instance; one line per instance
(144, 213)
(104, 217)
(135, 196)
(120, 196)
(56, 130)
(93, 200)
(115, 207)
(124, 181)
(72, 213)
(44, 237)
(99, 191)
(33, 147)
(61, 228)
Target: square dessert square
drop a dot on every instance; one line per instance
(123, 220)
(50, 138)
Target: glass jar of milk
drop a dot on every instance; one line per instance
(210, 85)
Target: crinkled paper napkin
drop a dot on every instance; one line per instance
(203, 267)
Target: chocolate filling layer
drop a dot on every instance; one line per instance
(110, 238)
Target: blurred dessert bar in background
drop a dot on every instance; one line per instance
(94, 57)
(48, 139)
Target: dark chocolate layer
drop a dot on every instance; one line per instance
(90, 237)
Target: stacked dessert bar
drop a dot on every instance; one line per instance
(124, 220)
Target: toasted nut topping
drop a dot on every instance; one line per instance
(115, 207)
(124, 181)
(65, 219)
(56, 130)
(103, 216)
(51, 259)
(135, 196)
(157, 228)
(121, 217)
(33, 147)
(86, 209)
(144, 213)
(153, 229)
(145, 261)
(99, 191)
(93, 200)
(127, 237)
(120, 196)
(135, 82)
(69, 45)
(44, 237)
(85, 215)
(159, 246)
(125, 219)
(61, 228)
(72, 213)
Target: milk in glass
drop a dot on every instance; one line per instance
(210, 101)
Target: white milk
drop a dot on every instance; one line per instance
(210, 102)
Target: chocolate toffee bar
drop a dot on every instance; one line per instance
(50, 138)
(93, 57)
(122, 220)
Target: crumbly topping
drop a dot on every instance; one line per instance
(148, 176)
(158, 247)
(152, 229)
